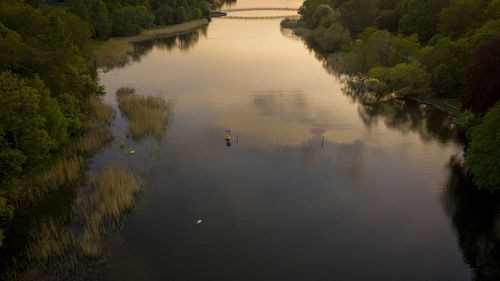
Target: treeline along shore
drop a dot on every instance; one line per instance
(441, 52)
(52, 116)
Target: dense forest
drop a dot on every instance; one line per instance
(427, 49)
(47, 81)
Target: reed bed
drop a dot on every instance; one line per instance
(113, 53)
(112, 192)
(147, 116)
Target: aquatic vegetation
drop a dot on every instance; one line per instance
(147, 116)
(112, 53)
(111, 193)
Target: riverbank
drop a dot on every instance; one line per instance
(441, 104)
(167, 31)
(116, 52)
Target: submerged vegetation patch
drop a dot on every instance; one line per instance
(147, 116)
(57, 245)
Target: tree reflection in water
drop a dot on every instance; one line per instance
(405, 116)
(475, 217)
(473, 213)
(182, 41)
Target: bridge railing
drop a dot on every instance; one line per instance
(258, 9)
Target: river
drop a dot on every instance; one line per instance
(318, 184)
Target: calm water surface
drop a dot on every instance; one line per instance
(372, 203)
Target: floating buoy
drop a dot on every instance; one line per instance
(198, 221)
(132, 151)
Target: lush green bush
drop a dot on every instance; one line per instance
(405, 79)
(321, 12)
(483, 157)
(333, 38)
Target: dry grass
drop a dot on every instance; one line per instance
(147, 116)
(113, 53)
(112, 192)
(171, 30)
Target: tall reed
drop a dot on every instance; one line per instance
(147, 116)
(111, 192)
(113, 53)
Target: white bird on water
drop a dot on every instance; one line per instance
(198, 221)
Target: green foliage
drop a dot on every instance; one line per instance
(492, 12)
(488, 31)
(129, 21)
(103, 25)
(180, 14)
(309, 7)
(205, 8)
(421, 17)
(389, 19)
(321, 12)
(22, 118)
(356, 15)
(467, 121)
(405, 79)
(333, 38)
(446, 61)
(165, 15)
(483, 157)
(380, 48)
(460, 17)
(13, 55)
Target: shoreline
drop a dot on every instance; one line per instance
(167, 31)
(303, 32)
(117, 51)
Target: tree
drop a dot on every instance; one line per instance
(129, 21)
(460, 17)
(492, 12)
(388, 19)
(334, 38)
(421, 17)
(205, 8)
(103, 25)
(446, 61)
(321, 12)
(356, 15)
(483, 78)
(405, 79)
(309, 7)
(483, 157)
(14, 51)
(180, 14)
(21, 118)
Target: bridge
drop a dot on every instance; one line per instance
(259, 17)
(257, 9)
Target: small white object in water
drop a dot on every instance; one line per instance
(198, 221)
(132, 152)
